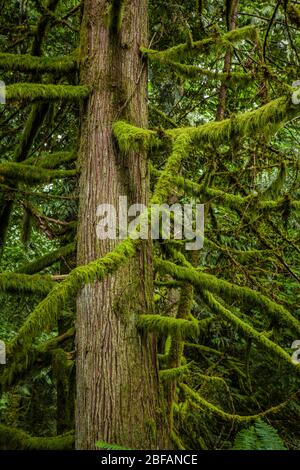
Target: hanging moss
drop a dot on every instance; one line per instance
(44, 317)
(48, 259)
(188, 49)
(52, 160)
(163, 187)
(203, 404)
(230, 292)
(32, 175)
(175, 373)
(28, 63)
(23, 283)
(194, 71)
(16, 439)
(132, 138)
(261, 339)
(269, 117)
(39, 92)
(168, 326)
(233, 201)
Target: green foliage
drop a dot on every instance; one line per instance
(104, 446)
(261, 436)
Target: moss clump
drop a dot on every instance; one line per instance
(162, 325)
(130, 137)
(199, 402)
(175, 373)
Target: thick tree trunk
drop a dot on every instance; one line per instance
(117, 380)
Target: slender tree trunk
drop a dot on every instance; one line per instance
(117, 381)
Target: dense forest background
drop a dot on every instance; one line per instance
(225, 369)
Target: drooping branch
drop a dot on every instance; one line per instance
(191, 49)
(228, 291)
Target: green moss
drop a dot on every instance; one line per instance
(48, 259)
(23, 283)
(203, 404)
(32, 175)
(44, 317)
(40, 92)
(191, 49)
(51, 160)
(249, 331)
(194, 71)
(163, 325)
(16, 439)
(130, 137)
(269, 117)
(230, 292)
(175, 373)
(28, 63)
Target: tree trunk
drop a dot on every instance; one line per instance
(117, 380)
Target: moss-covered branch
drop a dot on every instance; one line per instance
(230, 292)
(16, 439)
(40, 92)
(268, 117)
(205, 405)
(246, 329)
(26, 284)
(28, 63)
(32, 175)
(192, 48)
(51, 161)
(45, 315)
(48, 260)
(130, 137)
(233, 201)
(164, 325)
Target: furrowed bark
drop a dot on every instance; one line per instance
(117, 380)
